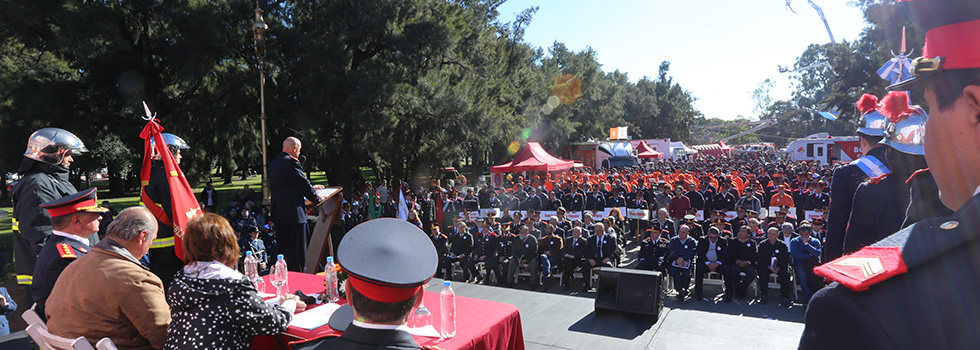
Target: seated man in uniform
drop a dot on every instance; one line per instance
(107, 293)
(74, 218)
(653, 250)
(388, 261)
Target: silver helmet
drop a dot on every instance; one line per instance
(908, 133)
(873, 124)
(174, 144)
(50, 145)
(872, 121)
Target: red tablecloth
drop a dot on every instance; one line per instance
(480, 324)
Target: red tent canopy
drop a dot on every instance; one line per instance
(643, 150)
(713, 149)
(533, 158)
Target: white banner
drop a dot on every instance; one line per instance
(599, 215)
(547, 214)
(813, 214)
(729, 215)
(572, 216)
(699, 216)
(641, 214)
(495, 211)
(772, 210)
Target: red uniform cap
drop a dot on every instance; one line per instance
(952, 37)
(74, 203)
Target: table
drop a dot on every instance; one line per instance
(480, 324)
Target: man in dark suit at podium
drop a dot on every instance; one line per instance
(289, 189)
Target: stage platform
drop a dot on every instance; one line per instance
(566, 320)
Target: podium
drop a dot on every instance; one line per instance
(320, 245)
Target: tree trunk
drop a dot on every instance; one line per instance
(117, 181)
(226, 171)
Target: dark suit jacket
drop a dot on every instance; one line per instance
(289, 187)
(722, 247)
(575, 247)
(607, 249)
(767, 251)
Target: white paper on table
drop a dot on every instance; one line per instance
(427, 331)
(265, 295)
(315, 317)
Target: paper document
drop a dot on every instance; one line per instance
(315, 317)
(427, 331)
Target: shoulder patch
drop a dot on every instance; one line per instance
(64, 249)
(917, 173)
(864, 268)
(876, 179)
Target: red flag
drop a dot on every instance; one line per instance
(183, 201)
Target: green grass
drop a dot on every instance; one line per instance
(225, 194)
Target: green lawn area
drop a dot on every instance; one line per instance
(225, 194)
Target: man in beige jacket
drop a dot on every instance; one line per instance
(107, 293)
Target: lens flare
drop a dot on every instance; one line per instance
(526, 133)
(513, 148)
(567, 88)
(553, 101)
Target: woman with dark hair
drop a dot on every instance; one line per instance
(212, 305)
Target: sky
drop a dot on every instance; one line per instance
(719, 50)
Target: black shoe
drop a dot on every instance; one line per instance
(565, 287)
(763, 301)
(786, 302)
(728, 298)
(699, 298)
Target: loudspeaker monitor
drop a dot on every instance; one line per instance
(628, 290)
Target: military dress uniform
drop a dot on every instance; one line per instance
(842, 189)
(911, 290)
(652, 254)
(388, 261)
(61, 248)
(924, 200)
(914, 289)
(57, 253)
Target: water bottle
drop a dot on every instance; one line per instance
(280, 277)
(330, 277)
(251, 269)
(447, 301)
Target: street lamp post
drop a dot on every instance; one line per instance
(259, 29)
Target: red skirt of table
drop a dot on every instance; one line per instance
(480, 324)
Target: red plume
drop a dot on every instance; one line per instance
(894, 105)
(867, 103)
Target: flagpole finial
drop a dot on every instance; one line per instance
(149, 116)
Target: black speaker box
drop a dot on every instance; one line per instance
(628, 290)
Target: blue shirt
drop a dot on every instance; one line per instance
(800, 250)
